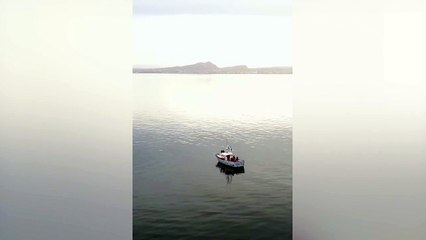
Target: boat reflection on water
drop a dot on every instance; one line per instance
(229, 171)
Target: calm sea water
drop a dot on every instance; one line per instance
(180, 122)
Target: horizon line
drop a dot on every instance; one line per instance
(181, 65)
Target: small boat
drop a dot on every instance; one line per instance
(228, 158)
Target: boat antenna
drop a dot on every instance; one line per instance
(228, 147)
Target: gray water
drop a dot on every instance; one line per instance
(180, 122)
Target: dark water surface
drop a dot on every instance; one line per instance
(180, 122)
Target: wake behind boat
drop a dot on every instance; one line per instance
(228, 158)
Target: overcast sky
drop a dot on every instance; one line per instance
(225, 32)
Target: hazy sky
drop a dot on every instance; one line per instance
(225, 32)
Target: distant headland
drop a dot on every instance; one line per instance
(210, 68)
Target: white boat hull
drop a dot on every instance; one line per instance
(239, 163)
